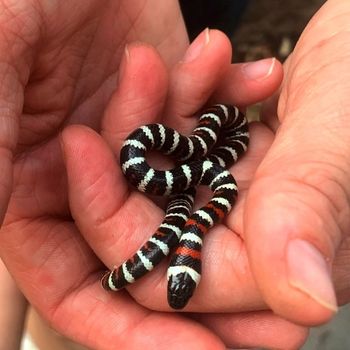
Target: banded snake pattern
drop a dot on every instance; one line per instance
(202, 158)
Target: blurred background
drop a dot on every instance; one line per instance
(257, 28)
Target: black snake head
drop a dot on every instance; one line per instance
(180, 289)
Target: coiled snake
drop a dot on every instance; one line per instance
(202, 159)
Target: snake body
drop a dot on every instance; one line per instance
(203, 158)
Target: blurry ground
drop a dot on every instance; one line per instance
(271, 28)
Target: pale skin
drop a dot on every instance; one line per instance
(46, 251)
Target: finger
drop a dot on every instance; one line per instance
(195, 77)
(84, 164)
(137, 100)
(270, 331)
(206, 70)
(298, 207)
(140, 94)
(268, 112)
(274, 105)
(249, 83)
(113, 222)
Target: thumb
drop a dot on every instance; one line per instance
(297, 209)
(296, 214)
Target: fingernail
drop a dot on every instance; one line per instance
(124, 62)
(197, 46)
(259, 70)
(309, 272)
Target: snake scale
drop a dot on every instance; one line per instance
(203, 158)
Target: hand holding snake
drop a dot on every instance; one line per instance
(45, 249)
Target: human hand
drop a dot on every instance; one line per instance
(116, 222)
(297, 211)
(60, 64)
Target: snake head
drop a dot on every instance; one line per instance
(180, 289)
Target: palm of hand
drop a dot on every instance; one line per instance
(67, 67)
(72, 77)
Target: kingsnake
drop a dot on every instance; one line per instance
(202, 159)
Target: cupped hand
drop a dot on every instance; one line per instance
(297, 220)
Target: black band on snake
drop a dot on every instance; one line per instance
(203, 159)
